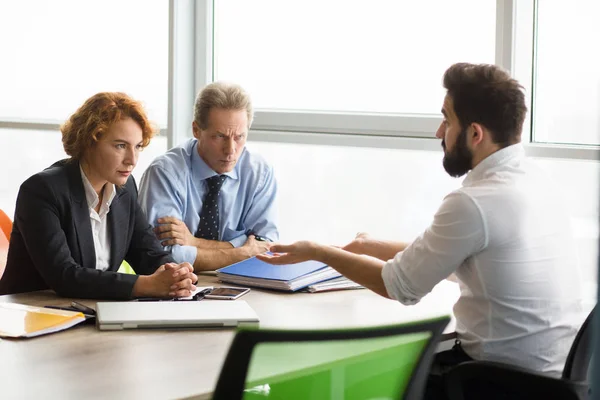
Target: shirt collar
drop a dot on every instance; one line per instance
(201, 170)
(91, 195)
(494, 160)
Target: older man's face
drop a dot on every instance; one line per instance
(222, 142)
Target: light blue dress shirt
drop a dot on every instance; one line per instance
(175, 184)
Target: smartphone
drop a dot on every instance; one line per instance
(226, 293)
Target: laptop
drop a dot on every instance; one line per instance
(174, 314)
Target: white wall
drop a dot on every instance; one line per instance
(329, 193)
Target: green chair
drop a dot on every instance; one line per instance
(387, 362)
(125, 268)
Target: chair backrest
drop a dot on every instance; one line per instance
(578, 360)
(365, 363)
(5, 224)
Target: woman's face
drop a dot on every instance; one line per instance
(114, 156)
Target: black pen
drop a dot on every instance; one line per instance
(72, 309)
(197, 297)
(83, 308)
(257, 237)
(200, 295)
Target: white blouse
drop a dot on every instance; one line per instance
(99, 221)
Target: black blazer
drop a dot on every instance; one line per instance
(51, 245)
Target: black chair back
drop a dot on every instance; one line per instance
(578, 360)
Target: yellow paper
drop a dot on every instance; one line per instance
(18, 320)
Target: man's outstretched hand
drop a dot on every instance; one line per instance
(290, 253)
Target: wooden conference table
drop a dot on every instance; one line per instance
(85, 363)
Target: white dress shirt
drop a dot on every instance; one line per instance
(99, 221)
(507, 237)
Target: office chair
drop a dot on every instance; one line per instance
(526, 383)
(5, 224)
(386, 362)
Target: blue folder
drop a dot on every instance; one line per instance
(292, 277)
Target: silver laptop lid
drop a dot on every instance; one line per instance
(174, 314)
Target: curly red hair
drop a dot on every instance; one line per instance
(95, 117)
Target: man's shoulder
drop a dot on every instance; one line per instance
(176, 161)
(522, 181)
(508, 194)
(252, 163)
(462, 202)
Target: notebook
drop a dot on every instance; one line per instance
(292, 277)
(18, 320)
(174, 314)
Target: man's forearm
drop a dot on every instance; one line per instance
(382, 250)
(211, 259)
(363, 270)
(211, 244)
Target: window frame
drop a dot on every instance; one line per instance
(191, 61)
(514, 52)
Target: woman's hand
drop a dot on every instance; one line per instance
(169, 280)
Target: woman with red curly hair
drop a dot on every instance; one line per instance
(76, 221)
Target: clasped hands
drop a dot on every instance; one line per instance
(169, 280)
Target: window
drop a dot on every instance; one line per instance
(26, 152)
(349, 57)
(375, 68)
(55, 55)
(59, 53)
(566, 106)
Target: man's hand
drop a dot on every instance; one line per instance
(169, 280)
(173, 231)
(290, 254)
(183, 270)
(254, 247)
(357, 245)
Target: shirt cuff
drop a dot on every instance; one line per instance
(184, 254)
(238, 241)
(395, 282)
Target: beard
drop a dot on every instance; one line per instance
(459, 160)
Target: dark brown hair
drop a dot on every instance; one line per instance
(487, 95)
(95, 117)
